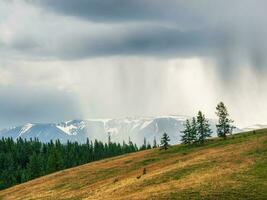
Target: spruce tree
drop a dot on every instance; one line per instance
(186, 133)
(164, 141)
(34, 166)
(109, 138)
(54, 162)
(155, 143)
(224, 125)
(144, 146)
(203, 128)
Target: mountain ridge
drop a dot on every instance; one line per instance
(120, 129)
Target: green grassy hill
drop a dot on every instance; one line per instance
(235, 168)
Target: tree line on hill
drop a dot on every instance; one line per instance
(23, 160)
(197, 130)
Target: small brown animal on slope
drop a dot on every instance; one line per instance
(115, 180)
(144, 171)
(138, 177)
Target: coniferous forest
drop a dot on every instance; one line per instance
(23, 160)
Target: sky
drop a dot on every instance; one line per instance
(66, 59)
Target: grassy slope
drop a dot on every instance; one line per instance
(235, 168)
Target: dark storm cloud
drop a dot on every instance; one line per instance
(223, 30)
(156, 41)
(142, 40)
(114, 10)
(21, 105)
(185, 13)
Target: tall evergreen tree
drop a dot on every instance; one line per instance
(155, 142)
(224, 125)
(190, 132)
(165, 141)
(54, 161)
(7, 175)
(145, 143)
(186, 133)
(109, 138)
(144, 146)
(203, 128)
(34, 166)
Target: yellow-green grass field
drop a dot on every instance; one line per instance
(235, 168)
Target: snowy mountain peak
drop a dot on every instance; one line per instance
(25, 128)
(120, 129)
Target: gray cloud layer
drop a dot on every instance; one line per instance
(182, 12)
(230, 32)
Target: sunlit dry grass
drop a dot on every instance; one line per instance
(219, 168)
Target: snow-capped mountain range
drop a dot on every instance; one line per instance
(135, 128)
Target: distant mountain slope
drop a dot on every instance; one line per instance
(254, 127)
(235, 168)
(135, 128)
